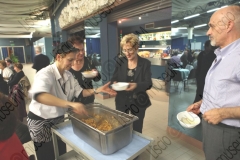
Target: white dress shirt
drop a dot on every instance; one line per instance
(48, 80)
(222, 83)
(6, 73)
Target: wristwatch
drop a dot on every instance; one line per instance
(95, 91)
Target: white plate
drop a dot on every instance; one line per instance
(90, 74)
(188, 119)
(120, 86)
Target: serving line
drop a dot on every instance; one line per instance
(83, 150)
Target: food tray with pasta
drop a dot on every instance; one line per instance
(106, 130)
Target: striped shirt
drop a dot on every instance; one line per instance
(222, 83)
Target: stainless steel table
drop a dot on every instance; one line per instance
(83, 151)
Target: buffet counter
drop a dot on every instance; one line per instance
(82, 150)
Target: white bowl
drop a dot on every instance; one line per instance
(188, 119)
(89, 74)
(120, 86)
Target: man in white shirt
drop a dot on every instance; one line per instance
(6, 72)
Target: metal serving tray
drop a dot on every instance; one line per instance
(105, 142)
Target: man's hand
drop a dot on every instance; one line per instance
(78, 108)
(213, 116)
(106, 89)
(131, 86)
(195, 108)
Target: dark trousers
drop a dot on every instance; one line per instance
(137, 111)
(45, 151)
(23, 132)
(221, 142)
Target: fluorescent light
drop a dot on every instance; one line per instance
(182, 28)
(195, 15)
(200, 25)
(139, 17)
(174, 21)
(212, 10)
(224, 6)
(88, 27)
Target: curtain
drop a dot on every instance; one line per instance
(4, 52)
(18, 51)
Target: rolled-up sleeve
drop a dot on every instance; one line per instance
(43, 82)
(77, 87)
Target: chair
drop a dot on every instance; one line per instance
(177, 78)
(191, 76)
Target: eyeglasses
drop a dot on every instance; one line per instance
(131, 50)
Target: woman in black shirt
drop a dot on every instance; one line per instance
(3, 86)
(80, 65)
(18, 76)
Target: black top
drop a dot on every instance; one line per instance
(40, 61)
(204, 62)
(4, 87)
(142, 76)
(184, 60)
(16, 78)
(85, 83)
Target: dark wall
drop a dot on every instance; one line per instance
(180, 43)
(19, 42)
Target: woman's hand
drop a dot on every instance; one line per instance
(94, 70)
(106, 89)
(78, 108)
(131, 86)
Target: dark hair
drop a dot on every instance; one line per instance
(175, 53)
(8, 122)
(18, 65)
(9, 60)
(64, 48)
(76, 39)
(3, 63)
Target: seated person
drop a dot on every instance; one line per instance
(9, 64)
(3, 86)
(175, 60)
(10, 145)
(19, 75)
(6, 72)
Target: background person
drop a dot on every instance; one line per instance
(3, 86)
(16, 77)
(40, 60)
(184, 59)
(53, 90)
(204, 62)
(80, 65)
(10, 145)
(220, 105)
(136, 71)
(9, 64)
(6, 72)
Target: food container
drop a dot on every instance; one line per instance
(105, 142)
(89, 74)
(188, 119)
(120, 86)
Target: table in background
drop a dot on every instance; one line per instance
(84, 151)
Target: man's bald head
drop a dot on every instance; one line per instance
(224, 26)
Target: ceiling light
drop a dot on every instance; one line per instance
(120, 21)
(224, 6)
(200, 25)
(182, 28)
(139, 17)
(212, 10)
(174, 21)
(87, 27)
(195, 15)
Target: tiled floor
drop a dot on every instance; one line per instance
(155, 126)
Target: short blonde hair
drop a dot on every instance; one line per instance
(38, 48)
(130, 38)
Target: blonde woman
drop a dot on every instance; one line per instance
(137, 72)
